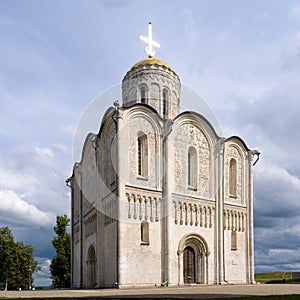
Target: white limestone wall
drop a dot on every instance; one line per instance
(140, 264)
(76, 264)
(109, 259)
(235, 260)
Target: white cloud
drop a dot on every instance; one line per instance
(42, 277)
(44, 152)
(11, 180)
(15, 210)
(62, 148)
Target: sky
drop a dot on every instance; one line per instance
(242, 57)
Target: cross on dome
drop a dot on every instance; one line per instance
(151, 43)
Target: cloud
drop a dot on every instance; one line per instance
(44, 152)
(15, 210)
(11, 179)
(281, 189)
(42, 277)
(62, 148)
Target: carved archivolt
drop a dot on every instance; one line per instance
(192, 214)
(142, 206)
(234, 220)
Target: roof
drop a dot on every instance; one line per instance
(151, 61)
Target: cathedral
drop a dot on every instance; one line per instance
(158, 197)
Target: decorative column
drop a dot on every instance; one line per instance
(179, 267)
(206, 268)
(120, 194)
(166, 199)
(250, 219)
(220, 215)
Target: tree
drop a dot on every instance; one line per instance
(17, 263)
(61, 263)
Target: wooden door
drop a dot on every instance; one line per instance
(189, 274)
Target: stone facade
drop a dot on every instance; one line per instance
(158, 197)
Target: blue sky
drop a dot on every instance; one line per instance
(243, 57)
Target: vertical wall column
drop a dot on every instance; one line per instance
(220, 216)
(166, 200)
(81, 226)
(72, 182)
(120, 196)
(250, 220)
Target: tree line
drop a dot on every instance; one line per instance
(17, 263)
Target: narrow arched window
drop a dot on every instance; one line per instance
(192, 168)
(145, 233)
(143, 94)
(142, 155)
(164, 103)
(232, 177)
(233, 241)
(112, 165)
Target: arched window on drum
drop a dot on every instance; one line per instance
(165, 103)
(143, 94)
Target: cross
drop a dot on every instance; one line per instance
(151, 43)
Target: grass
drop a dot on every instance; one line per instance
(276, 277)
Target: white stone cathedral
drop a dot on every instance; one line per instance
(158, 197)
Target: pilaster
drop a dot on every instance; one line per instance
(120, 184)
(166, 199)
(250, 219)
(220, 216)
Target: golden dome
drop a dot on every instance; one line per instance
(151, 61)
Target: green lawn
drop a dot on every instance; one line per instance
(265, 277)
(276, 277)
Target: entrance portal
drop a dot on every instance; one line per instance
(189, 265)
(193, 256)
(91, 267)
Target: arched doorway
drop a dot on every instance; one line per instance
(192, 260)
(189, 265)
(91, 267)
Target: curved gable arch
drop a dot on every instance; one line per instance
(201, 123)
(143, 111)
(190, 129)
(143, 128)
